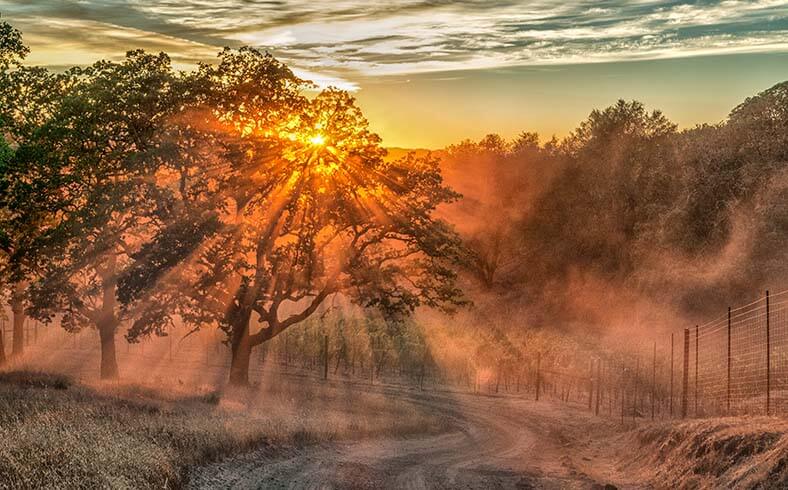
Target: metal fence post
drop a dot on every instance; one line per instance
(538, 373)
(671, 375)
(696, 369)
(768, 359)
(636, 381)
(653, 380)
(729, 360)
(685, 380)
(623, 388)
(636, 401)
(598, 382)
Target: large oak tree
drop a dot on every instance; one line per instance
(308, 208)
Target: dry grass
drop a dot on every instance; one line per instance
(733, 452)
(58, 435)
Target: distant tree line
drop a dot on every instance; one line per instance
(630, 203)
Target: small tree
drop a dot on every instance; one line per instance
(310, 210)
(93, 160)
(27, 97)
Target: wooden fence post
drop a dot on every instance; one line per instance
(685, 380)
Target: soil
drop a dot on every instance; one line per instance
(497, 442)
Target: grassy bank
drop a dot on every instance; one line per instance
(732, 452)
(57, 434)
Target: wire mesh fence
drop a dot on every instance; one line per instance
(734, 364)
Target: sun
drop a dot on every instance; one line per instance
(317, 140)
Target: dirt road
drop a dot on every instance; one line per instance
(498, 443)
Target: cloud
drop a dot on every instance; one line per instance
(343, 39)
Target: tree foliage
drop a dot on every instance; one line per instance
(302, 206)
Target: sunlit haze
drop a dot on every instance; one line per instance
(412, 244)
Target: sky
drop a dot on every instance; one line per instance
(432, 72)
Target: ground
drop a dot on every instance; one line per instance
(495, 442)
(297, 431)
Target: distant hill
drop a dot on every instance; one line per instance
(396, 153)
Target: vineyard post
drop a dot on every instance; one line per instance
(768, 359)
(423, 367)
(325, 356)
(608, 368)
(372, 364)
(287, 354)
(685, 380)
(590, 383)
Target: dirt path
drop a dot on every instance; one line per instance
(499, 443)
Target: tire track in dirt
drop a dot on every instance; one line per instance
(498, 443)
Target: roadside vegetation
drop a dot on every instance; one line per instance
(68, 435)
(728, 452)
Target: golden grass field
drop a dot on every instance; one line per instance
(64, 435)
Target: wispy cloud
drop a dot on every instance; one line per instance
(342, 40)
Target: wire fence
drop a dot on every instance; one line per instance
(734, 364)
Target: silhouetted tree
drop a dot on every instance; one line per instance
(95, 158)
(311, 210)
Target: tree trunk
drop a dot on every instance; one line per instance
(2, 343)
(241, 348)
(18, 309)
(107, 323)
(109, 362)
(239, 365)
